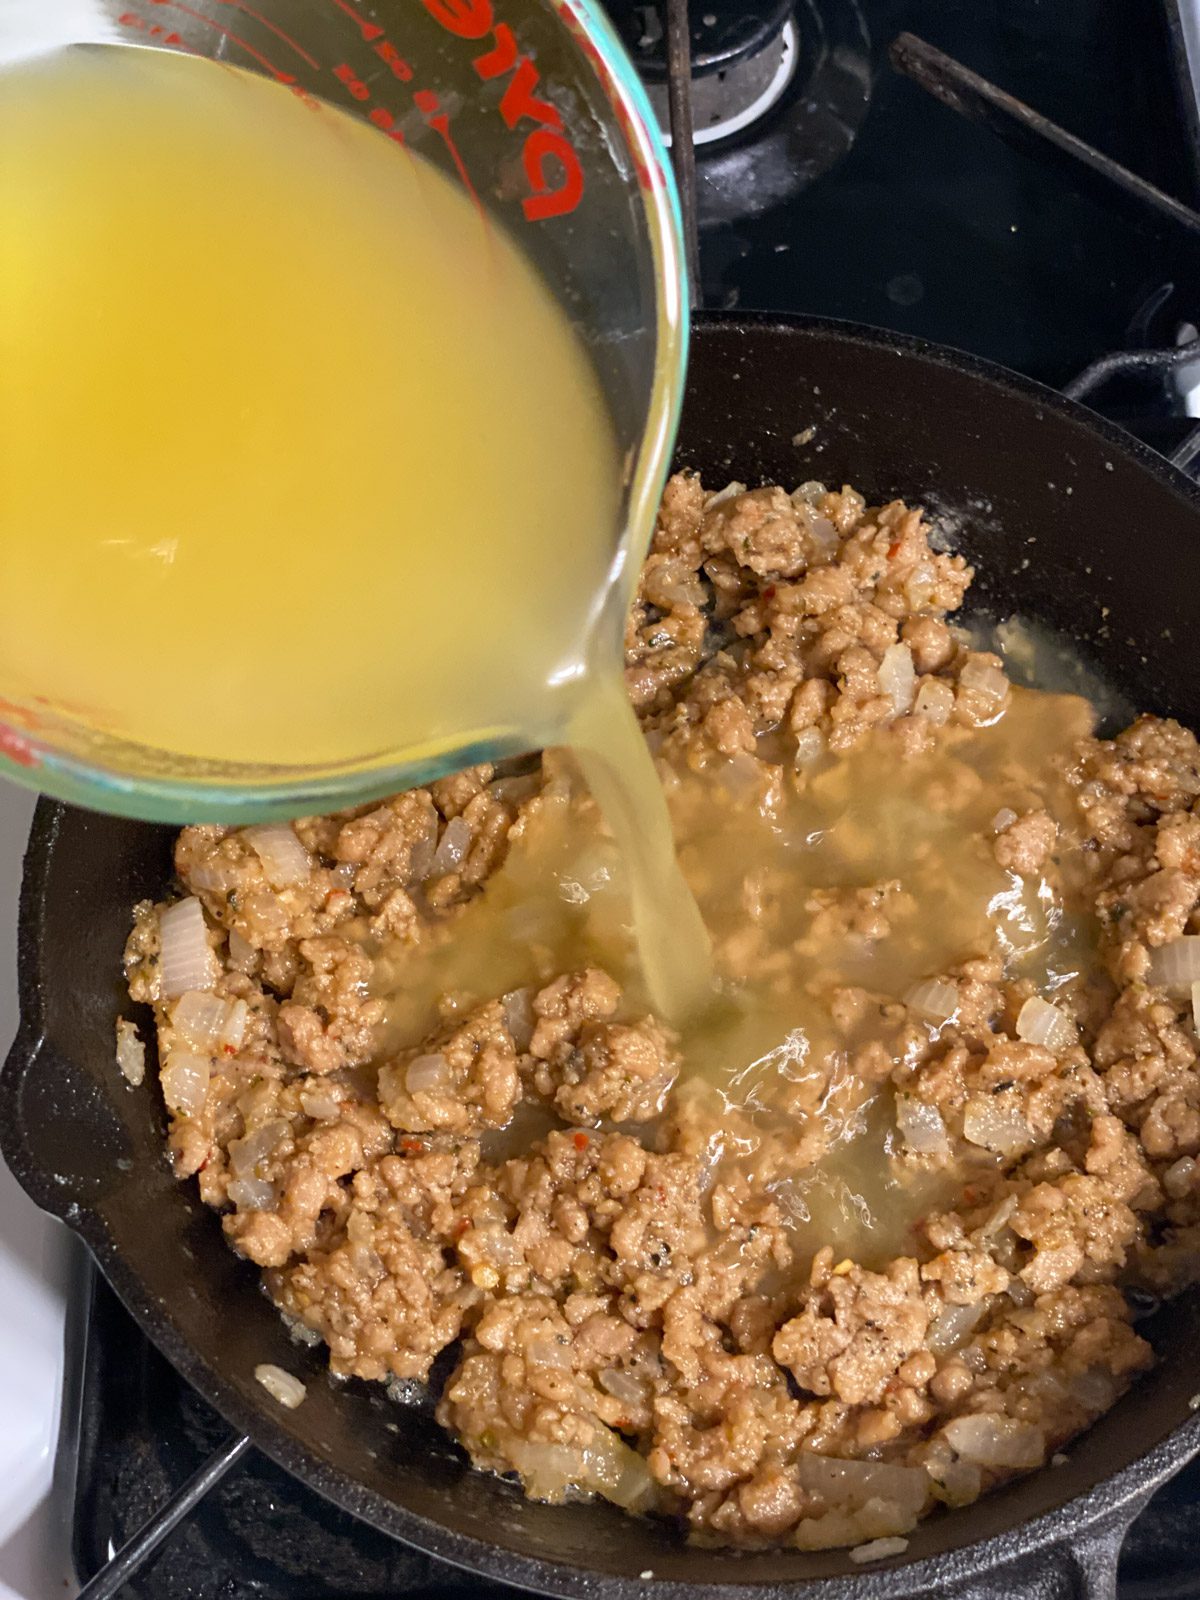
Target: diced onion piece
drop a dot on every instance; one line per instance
(984, 677)
(214, 876)
(999, 1218)
(131, 1052)
(849, 1485)
(233, 1030)
(992, 1125)
(810, 493)
(184, 1081)
(898, 678)
(187, 961)
(621, 1385)
(824, 534)
(673, 582)
(618, 1472)
(428, 1073)
(606, 1466)
(1177, 1180)
(320, 1104)
(995, 1441)
(198, 1019)
(547, 1353)
(1040, 1022)
(280, 1385)
(934, 701)
(919, 585)
(958, 1482)
(453, 846)
(921, 1125)
(252, 1194)
(242, 953)
(741, 776)
(285, 860)
(810, 746)
(1020, 1293)
(934, 998)
(953, 1326)
(879, 1549)
(1004, 818)
(420, 859)
(246, 1154)
(729, 492)
(1176, 965)
(519, 1018)
(1094, 1388)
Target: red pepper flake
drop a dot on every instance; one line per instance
(463, 1225)
(580, 1141)
(894, 549)
(411, 1146)
(769, 592)
(228, 1050)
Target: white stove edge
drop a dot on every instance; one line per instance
(38, 1263)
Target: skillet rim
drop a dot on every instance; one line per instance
(1091, 1516)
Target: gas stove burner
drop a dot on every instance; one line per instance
(779, 91)
(743, 59)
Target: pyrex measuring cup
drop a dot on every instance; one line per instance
(533, 106)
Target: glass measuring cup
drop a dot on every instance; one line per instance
(532, 105)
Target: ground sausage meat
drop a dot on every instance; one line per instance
(792, 1281)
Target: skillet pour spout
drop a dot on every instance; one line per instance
(1072, 523)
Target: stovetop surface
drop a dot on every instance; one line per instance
(931, 225)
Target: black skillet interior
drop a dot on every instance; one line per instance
(1071, 523)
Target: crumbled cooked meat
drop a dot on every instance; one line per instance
(1025, 843)
(853, 1248)
(854, 1332)
(465, 1080)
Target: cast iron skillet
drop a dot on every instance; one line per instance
(1073, 523)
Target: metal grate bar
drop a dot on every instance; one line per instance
(133, 1555)
(683, 149)
(1027, 130)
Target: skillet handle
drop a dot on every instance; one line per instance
(1080, 1568)
(1092, 1561)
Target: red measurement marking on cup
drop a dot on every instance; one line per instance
(234, 38)
(130, 19)
(552, 166)
(369, 30)
(374, 35)
(16, 749)
(265, 22)
(430, 107)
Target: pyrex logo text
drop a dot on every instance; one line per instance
(552, 167)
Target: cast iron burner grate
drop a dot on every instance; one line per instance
(259, 1533)
(143, 1431)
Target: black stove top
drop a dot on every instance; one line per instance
(852, 194)
(856, 195)
(260, 1533)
